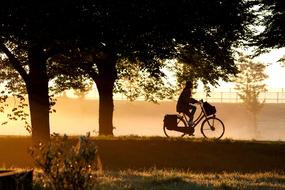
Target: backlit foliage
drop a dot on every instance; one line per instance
(250, 83)
(67, 166)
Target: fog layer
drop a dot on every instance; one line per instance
(77, 117)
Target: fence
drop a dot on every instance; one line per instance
(231, 96)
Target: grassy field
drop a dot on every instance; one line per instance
(157, 179)
(158, 163)
(173, 179)
(140, 153)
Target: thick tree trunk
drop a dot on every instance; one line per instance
(105, 83)
(106, 107)
(37, 88)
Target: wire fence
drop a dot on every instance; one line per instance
(231, 96)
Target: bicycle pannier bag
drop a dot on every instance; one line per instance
(209, 109)
(170, 121)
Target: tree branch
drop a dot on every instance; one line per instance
(14, 62)
(90, 72)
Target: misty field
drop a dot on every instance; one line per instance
(77, 117)
(156, 163)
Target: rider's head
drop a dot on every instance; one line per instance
(189, 84)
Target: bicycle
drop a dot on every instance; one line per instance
(211, 127)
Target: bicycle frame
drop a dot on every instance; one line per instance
(201, 116)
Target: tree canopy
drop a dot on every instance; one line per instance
(272, 18)
(193, 31)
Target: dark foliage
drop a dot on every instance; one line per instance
(273, 19)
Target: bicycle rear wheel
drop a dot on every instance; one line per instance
(172, 132)
(213, 128)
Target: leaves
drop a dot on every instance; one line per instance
(196, 32)
(16, 111)
(272, 20)
(67, 166)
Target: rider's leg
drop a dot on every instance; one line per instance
(192, 110)
(188, 113)
(190, 117)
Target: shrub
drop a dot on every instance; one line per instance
(67, 166)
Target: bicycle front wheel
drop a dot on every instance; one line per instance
(174, 133)
(213, 128)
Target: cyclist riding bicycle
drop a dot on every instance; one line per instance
(185, 103)
(182, 124)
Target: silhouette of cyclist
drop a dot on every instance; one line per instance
(185, 103)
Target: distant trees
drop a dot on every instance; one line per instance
(249, 84)
(81, 93)
(69, 41)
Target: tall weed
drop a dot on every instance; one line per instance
(66, 166)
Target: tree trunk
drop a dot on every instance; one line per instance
(106, 107)
(37, 88)
(105, 83)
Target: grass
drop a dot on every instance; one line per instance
(156, 179)
(198, 155)
(140, 153)
(156, 163)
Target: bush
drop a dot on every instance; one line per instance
(67, 166)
